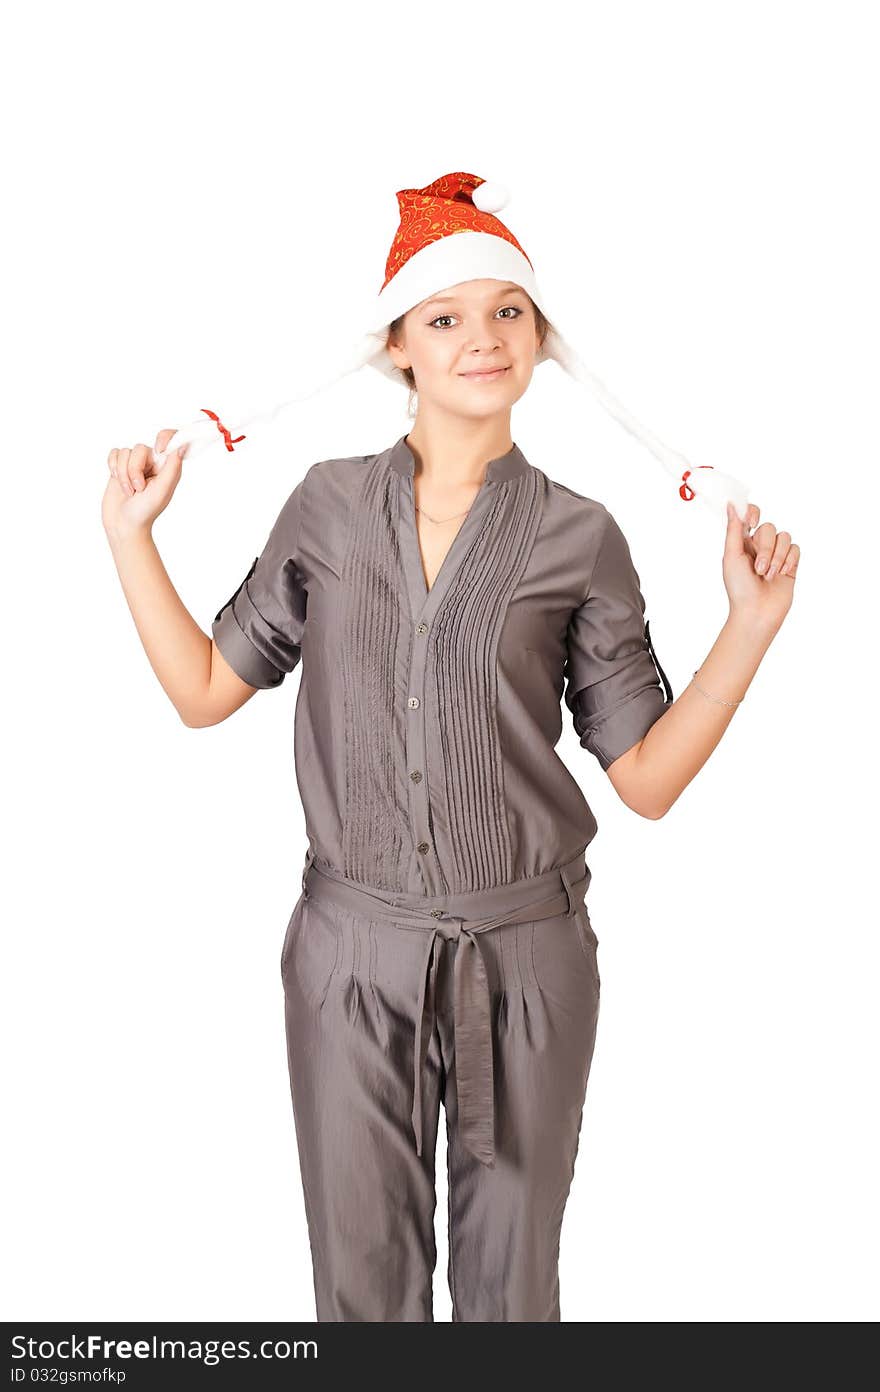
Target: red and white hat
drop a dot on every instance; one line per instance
(449, 232)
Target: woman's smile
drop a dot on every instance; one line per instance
(485, 376)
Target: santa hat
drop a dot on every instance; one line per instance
(449, 232)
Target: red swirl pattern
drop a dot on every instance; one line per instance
(440, 209)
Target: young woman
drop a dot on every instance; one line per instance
(443, 594)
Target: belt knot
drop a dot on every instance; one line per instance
(450, 929)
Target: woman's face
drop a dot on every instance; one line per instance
(477, 327)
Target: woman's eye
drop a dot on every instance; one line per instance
(516, 310)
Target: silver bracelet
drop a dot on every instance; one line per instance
(717, 698)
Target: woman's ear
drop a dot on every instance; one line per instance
(398, 355)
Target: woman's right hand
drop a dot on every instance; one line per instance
(138, 488)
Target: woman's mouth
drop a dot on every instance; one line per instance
(486, 376)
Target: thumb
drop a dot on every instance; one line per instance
(733, 541)
(168, 471)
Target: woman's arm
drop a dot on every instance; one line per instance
(654, 773)
(650, 777)
(201, 686)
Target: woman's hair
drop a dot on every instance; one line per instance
(542, 325)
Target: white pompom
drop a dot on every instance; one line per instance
(490, 198)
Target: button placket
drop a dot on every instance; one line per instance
(416, 749)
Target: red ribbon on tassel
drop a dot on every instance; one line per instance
(685, 491)
(226, 434)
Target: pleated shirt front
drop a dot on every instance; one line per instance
(426, 720)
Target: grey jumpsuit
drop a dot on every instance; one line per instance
(441, 949)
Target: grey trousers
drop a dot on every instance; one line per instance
(485, 1002)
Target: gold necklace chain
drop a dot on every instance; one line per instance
(440, 520)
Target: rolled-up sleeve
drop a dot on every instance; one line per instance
(612, 678)
(259, 628)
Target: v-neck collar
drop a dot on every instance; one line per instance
(424, 602)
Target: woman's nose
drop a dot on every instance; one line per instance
(483, 340)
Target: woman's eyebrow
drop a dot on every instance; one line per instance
(445, 299)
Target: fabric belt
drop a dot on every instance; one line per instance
(458, 918)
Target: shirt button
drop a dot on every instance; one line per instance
(416, 776)
(413, 701)
(423, 846)
(421, 628)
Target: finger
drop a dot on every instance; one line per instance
(162, 439)
(111, 461)
(122, 472)
(764, 541)
(780, 551)
(753, 512)
(136, 467)
(790, 564)
(733, 540)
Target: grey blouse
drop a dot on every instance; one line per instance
(426, 721)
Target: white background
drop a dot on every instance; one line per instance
(198, 196)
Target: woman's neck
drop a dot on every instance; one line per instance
(456, 454)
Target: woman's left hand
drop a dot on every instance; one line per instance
(759, 570)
